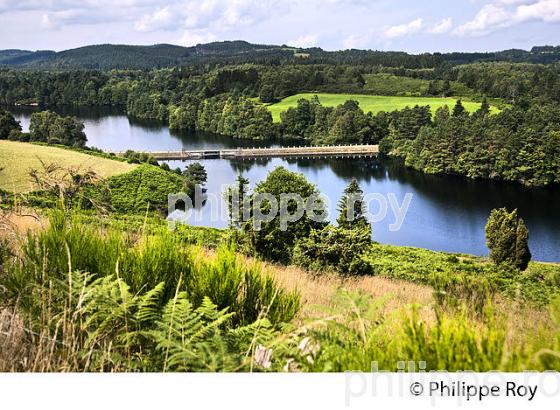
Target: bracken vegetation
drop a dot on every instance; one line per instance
(92, 278)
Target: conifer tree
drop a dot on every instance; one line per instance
(459, 110)
(507, 238)
(352, 209)
(235, 198)
(484, 109)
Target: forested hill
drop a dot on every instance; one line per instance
(109, 56)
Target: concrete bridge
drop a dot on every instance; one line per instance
(331, 151)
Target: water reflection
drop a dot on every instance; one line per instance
(447, 213)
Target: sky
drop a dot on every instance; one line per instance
(406, 25)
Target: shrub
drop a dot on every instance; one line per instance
(143, 187)
(508, 238)
(452, 290)
(140, 158)
(335, 248)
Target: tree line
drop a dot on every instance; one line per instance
(521, 143)
(44, 126)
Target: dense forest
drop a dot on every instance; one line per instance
(230, 97)
(109, 56)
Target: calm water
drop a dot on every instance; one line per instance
(446, 213)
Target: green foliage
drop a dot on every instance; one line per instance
(455, 343)
(455, 290)
(234, 116)
(104, 326)
(508, 238)
(47, 126)
(463, 277)
(196, 173)
(388, 84)
(269, 239)
(161, 257)
(335, 248)
(236, 198)
(459, 110)
(139, 157)
(363, 337)
(339, 248)
(144, 187)
(352, 208)
(8, 124)
(519, 144)
(549, 358)
(146, 301)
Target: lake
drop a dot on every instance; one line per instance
(446, 213)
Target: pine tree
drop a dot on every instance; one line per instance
(459, 110)
(352, 209)
(235, 198)
(446, 88)
(507, 238)
(432, 89)
(484, 107)
(196, 173)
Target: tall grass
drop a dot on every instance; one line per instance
(144, 262)
(363, 339)
(75, 297)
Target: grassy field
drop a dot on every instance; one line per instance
(373, 103)
(17, 158)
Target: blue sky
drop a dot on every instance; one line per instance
(413, 26)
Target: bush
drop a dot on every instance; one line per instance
(140, 158)
(336, 249)
(508, 238)
(145, 186)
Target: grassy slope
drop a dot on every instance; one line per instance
(17, 158)
(521, 323)
(414, 266)
(373, 103)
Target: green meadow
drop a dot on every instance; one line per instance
(371, 103)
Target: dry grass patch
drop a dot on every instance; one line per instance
(18, 158)
(319, 290)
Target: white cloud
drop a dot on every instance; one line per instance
(308, 40)
(404, 29)
(501, 14)
(161, 19)
(545, 10)
(357, 40)
(57, 19)
(442, 27)
(204, 14)
(192, 38)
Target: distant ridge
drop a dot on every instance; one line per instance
(119, 56)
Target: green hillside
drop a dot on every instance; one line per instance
(18, 158)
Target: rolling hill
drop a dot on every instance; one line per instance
(110, 56)
(18, 158)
